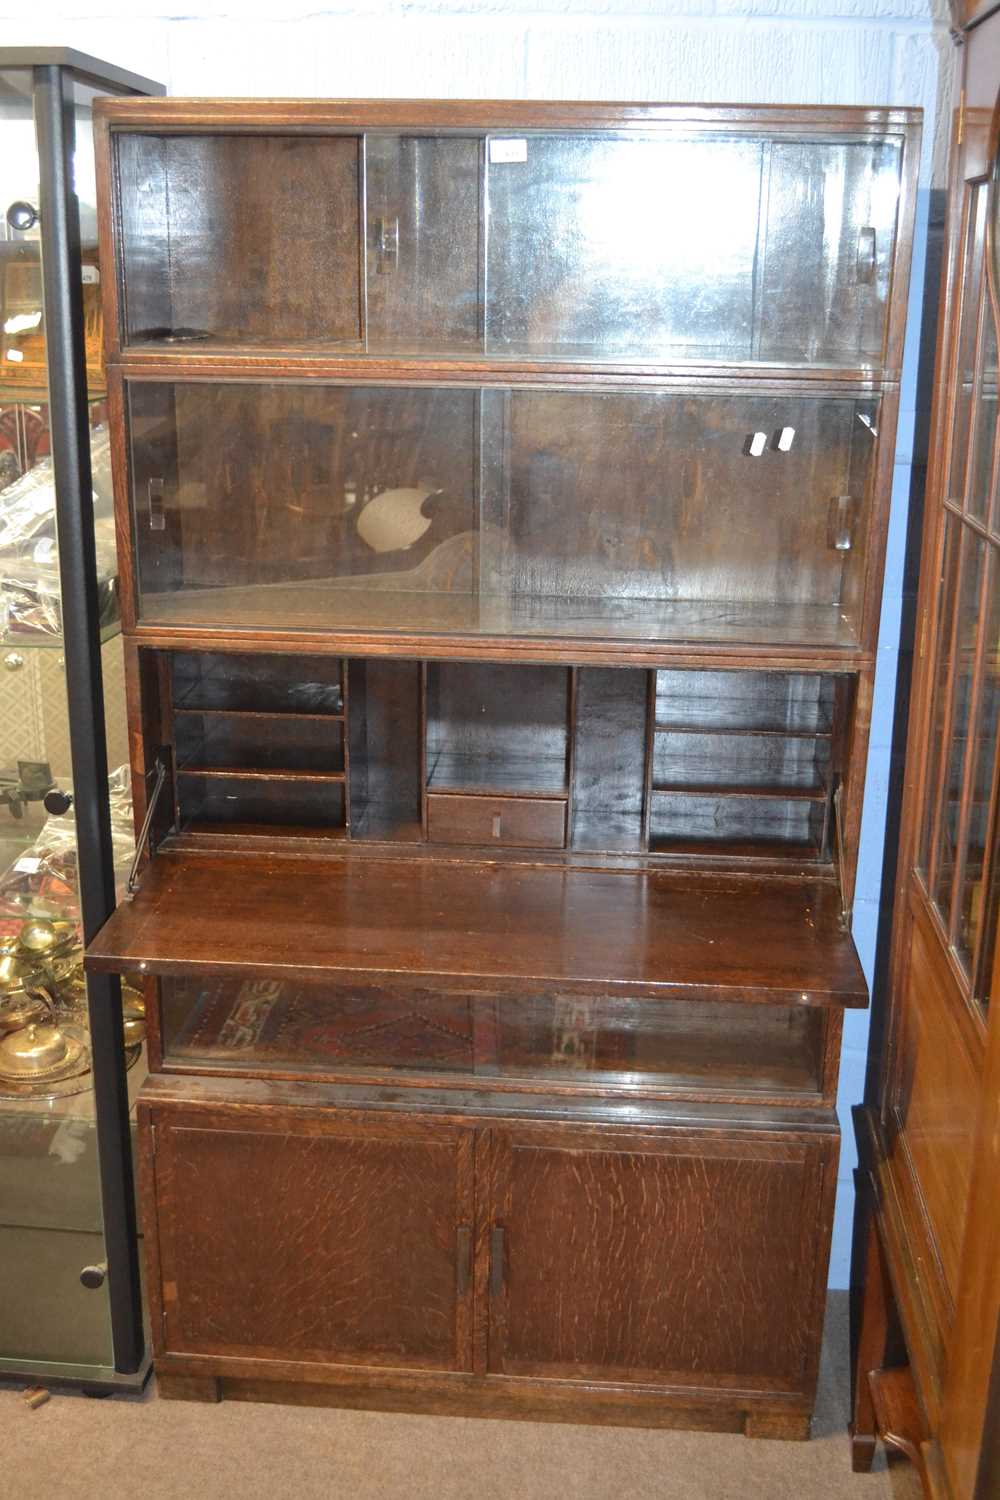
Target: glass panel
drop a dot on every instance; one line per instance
(275, 1026)
(973, 286)
(940, 701)
(50, 1203)
(422, 243)
(983, 775)
(969, 601)
(574, 245)
(536, 513)
(241, 239)
(984, 430)
(599, 247)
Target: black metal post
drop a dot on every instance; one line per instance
(70, 438)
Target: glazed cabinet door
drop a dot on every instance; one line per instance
(685, 1259)
(309, 1239)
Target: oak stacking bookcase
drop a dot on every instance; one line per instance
(502, 495)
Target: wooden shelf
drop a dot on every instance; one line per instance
(245, 773)
(270, 715)
(725, 789)
(268, 831)
(343, 607)
(765, 849)
(752, 731)
(509, 928)
(517, 775)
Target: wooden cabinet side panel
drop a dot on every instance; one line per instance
(933, 1093)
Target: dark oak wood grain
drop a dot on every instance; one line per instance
(508, 926)
(504, 612)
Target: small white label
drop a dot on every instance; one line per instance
(28, 864)
(90, 275)
(508, 150)
(15, 356)
(785, 439)
(757, 444)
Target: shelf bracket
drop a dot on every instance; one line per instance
(132, 883)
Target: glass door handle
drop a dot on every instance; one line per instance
(866, 255)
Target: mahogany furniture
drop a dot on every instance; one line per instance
(927, 1352)
(502, 493)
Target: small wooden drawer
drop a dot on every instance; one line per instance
(517, 822)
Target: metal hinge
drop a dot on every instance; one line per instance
(132, 883)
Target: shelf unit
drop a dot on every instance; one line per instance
(500, 588)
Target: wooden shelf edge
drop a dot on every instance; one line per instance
(509, 928)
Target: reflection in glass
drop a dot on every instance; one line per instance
(568, 246)
(973, 291)
(940, 700)
(982, 774)
(449, 510)
(969, 602)
(274, 1026)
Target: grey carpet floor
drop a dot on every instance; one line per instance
(140, 1448)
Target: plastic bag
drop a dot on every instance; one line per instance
(29, 552)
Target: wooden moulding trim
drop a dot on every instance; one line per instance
(289, 115)
(254, 362)
(533, 651)
(781, 1128)
(499, 1395)
(907, 1268)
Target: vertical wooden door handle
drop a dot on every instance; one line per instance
(497, 1251)
(463, 1259)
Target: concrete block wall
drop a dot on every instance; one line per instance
(738, 51)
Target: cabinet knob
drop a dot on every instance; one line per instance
(57, 802)
(93, 1277)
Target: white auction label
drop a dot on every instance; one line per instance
(28, 864)
(508, 150)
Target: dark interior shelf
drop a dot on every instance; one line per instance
(717, 789)
(794, 851)
(250, 773)
(268, 831)
(798, 732)
(520, 775)
(181, 710)
(505, 928)
(338, 606)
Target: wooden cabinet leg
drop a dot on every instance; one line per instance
(188, 1388)
(870, 1349)
(790, 1426)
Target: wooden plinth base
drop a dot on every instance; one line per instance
(508, 1403)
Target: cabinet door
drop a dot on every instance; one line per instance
(683, 1260)
(311, 1239)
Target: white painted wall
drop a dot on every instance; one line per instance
(736, 51)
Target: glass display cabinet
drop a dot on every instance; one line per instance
(71, 1311)
(502, 494)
